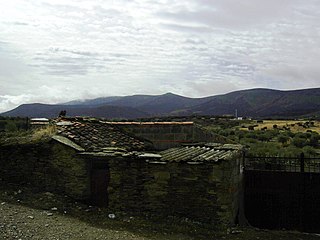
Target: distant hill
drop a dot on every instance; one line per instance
(159, 104)
(52, 111)
(253, 102)
(93, 102)
(263, 103)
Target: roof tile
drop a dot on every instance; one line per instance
(94, 136)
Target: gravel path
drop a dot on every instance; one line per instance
(20, 222)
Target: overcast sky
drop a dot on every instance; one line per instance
(56, 51)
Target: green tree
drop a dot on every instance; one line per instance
(309, 150)
(11, 127)
(299, 141)
(314, 140)
(283, 139)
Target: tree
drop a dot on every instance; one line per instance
(11, 127)
(309, 150)
(283, 139)
(299, 142)
(314, 140)
(63, 113)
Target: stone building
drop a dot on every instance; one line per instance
(100, 163)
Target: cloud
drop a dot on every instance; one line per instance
(232, 15)
(182, 28)
(194, 47)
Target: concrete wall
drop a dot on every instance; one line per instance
(48, 166)
(164, 136)
(208, 193)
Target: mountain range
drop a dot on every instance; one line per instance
(259, 102)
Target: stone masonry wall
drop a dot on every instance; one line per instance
(49, 166)
(207, 192)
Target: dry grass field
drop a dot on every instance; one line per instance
(294, 125)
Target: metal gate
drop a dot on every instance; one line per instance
(282, 192)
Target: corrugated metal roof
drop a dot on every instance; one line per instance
(199, 153)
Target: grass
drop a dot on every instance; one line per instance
(47, 131)
(292, 124)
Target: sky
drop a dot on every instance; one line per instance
(61, 50)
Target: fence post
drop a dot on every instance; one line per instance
(243, 160)
(302, 162)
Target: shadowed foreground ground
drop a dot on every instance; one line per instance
(41, 215)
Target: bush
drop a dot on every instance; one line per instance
(263, 149)
(246, 140)
(314, 140)
(283, 139)
(251, 128)
(299, 142)
(11, 127)
(309, 150)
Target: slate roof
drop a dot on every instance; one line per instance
(200, 153)
(96, 136)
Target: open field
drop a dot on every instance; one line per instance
(293, 125)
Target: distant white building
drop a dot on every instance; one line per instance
(39, 122)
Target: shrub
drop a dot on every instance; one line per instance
(309, 150)
(314, 140)
(299, 142)
(11, 127)
(283, 139)
(251, 128)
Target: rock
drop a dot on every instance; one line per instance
(49, 214)
(31, 217)
(54, 209)
(49, 194)
(234, 231)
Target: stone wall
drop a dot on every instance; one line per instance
(164, 136)
(48, 166)
(207, 193)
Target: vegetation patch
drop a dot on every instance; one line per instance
(271, 137)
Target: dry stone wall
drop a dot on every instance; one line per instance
(48, 165)
(207, 193)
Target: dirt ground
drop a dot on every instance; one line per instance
(20, 222)
(42, 215)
